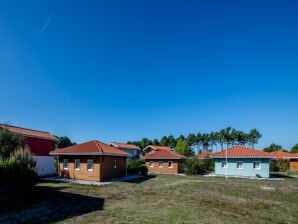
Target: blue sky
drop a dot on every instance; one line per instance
(123, 70)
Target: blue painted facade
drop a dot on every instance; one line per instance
(246, 168)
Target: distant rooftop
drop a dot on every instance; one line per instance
(125, 145)
(29, 132)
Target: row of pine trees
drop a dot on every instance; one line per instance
(202, 142)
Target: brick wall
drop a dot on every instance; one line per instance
(294, 164)
(103, 167)
(165, 168)
(107, 169)
(83, 173)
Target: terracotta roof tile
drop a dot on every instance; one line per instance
(242, 152)
(89, 148)
(164, 154)
(29, 132)
(284, 155)
(204, 155)
(125, 146)
(158, 147)
(151, 148)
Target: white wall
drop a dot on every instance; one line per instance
(44, 165)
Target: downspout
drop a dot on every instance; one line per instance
(226, 163)
(58, 166)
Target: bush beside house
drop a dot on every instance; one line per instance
(195, 166)
(17, 173)
(17, 167)
(137, 166)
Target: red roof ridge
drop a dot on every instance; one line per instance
(26, 132)
(164, 154)
(29, 129)
(88, 148)
(125, 145)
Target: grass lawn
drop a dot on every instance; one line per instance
(161, 199)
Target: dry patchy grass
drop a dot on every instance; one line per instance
(164, 199)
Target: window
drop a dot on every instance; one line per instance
(240, 165)
(115, 163)
(90, 164)
(257, 165)
(151, 164)
(65, 164)
(224, 164)
(77, 164)
(170, 164)
(160, 164)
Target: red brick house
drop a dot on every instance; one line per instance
(91, 160)
(40, 144)
(160, 159)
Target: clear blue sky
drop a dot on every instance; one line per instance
(123, 70)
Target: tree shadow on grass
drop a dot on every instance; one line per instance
(140, 180)
(279, 175)
(47, 205)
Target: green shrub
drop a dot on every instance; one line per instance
(144, 170)
(279, 165)
(194, 165)
(135, 165)
(18, 173)
(208, 164)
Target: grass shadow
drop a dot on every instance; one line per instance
(47, 205)
(141, 179)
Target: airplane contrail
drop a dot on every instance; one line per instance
(46, 24)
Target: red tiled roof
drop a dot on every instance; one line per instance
(242, 152)
(204, 155)
(125, 146)
(284, 155)
(90, 148)
(164, 154)
(157, 147)
(29, 132)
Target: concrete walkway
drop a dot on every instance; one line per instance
(89, 182)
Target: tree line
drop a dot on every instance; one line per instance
(275, 147)
(202, 142)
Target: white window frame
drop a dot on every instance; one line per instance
(65, 167)
(92, 169)
(260, 165)
(151, 163)
(242, 165)
(226, 164)
(171, 163)
(160, 166)
(115, 163)
(79, 164)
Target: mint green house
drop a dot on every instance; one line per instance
(240, 161)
